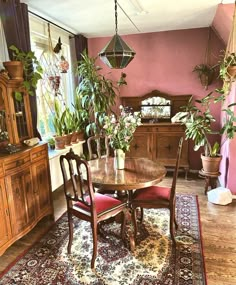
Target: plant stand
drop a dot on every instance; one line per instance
(210, 180)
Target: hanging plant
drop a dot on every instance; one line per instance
(205, 73)
(228, 63)
(63, 65)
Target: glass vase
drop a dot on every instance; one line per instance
(119, 159)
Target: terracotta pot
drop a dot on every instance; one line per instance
(211, 165)
(74, 137)
(232, 71)
(80, 136)
(206, 79)
(59, 142)
(68, 139)
(14, 69)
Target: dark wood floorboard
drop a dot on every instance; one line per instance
(218, 232)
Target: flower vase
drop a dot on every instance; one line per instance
(119, 159)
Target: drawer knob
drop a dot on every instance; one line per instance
(19, 162)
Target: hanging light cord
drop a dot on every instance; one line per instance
(125, 15)
(116, 15)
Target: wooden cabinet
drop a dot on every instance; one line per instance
(15, 116)
(21, 200)
(25, 192)
(42, 189)
(5, 228)
(157, 138)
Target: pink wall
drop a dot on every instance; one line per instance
(223, 20)
(165, 61)
(228, 151)
(223, 24)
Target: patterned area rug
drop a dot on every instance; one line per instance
(155, 260)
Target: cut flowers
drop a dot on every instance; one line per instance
(120, 129)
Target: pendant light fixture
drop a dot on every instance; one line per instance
(116, 54)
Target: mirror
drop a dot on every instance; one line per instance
(155, 109)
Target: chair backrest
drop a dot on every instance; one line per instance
(77, 179)
(97, 145)
(176, 171)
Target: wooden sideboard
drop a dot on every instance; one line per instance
(25, 192)
(157, 138)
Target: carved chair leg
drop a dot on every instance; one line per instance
(140, 218)
(172, 229)
(176, 224)
(123, 224)
(70, 223)
(174, 213)
(94, 232)
(134, 221)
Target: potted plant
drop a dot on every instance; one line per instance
(51, 143)
(120, 131)
(198, 122)
(67, 125)
(96, 93)
(32, 70)
(58, 123)
(80, 120)
(227, 73)
(205, 73)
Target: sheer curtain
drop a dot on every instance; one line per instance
(4, 56)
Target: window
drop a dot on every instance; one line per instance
(56, 81)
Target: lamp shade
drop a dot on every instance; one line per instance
(117, 54)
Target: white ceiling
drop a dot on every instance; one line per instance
(96, 18)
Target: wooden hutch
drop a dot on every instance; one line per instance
(25, 189)
(157, 138)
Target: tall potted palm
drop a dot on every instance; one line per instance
(95, 92)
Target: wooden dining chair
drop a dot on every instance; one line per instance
(83, 202)
(158, 197)
(98, 146)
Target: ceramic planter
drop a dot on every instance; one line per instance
(211, 165)
(14, 69)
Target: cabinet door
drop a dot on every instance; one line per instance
(21, 199)
(166, 148)
(141, 145)
(5, 230)
(42, 186)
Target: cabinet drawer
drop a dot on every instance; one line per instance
(171, 128)
(145, 129)
(39, 153)
(17, 162)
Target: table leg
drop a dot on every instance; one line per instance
(213, 183)
(131, 225)
(207, 181)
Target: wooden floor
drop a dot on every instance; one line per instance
(218, 231)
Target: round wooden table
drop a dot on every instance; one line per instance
(138, 173)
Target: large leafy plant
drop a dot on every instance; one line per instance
(31, 68)
(96, 93)
(198, 121)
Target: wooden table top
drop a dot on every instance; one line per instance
(138, 173)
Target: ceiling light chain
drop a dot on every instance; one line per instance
(116, 54)
(116, 15)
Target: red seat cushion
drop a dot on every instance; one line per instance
(103, 203)
(152, 193)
